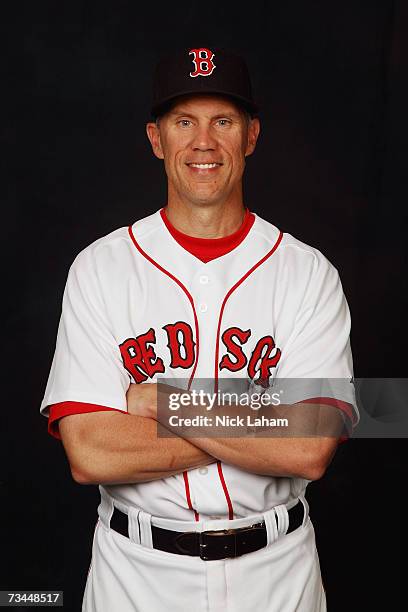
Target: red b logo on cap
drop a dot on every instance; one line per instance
(203, 63)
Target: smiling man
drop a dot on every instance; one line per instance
(204, 141)
(203, 289)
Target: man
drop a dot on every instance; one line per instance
(201, 289)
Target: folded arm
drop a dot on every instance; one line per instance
(114, 448)
(304, 450)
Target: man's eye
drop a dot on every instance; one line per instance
(184, 122)
(223, 122)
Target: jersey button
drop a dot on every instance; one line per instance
(204, 279)
(203, 307)
(203, 471)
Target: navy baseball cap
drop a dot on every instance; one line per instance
(200, 71)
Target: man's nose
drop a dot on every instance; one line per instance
(204, 138)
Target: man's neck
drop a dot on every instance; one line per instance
(201, 221)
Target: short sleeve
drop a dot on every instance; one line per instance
(316, 363)
(57, 411)
(87, 366)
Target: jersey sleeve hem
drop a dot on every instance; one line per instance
(81, 397)
(345, 407)
(57, 411)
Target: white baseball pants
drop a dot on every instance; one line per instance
(128, 575)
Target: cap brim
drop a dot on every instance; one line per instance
(163, 106)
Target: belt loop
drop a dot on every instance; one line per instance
(134, 525)
(146, 538)
(283, 518)
(271, 526)
(306, 509)
(105, 508)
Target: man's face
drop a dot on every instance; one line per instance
(204, 140)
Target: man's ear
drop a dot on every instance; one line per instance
(254, 128)
(153, 134)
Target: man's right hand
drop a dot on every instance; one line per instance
(142, 399)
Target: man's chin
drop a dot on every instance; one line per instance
(205, 198)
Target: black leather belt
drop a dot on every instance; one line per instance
(210, 545)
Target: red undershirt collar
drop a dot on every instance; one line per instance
(207, 249)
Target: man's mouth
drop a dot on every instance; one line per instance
(204, 166)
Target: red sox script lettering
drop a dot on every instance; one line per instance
(267, 359)
(141, 361)
(139, 357)
(235, 349)
(180, 337)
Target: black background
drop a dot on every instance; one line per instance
(330, 78)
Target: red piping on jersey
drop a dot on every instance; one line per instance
(217, 342)
(227, 495)
(187, 487)
(241, 280)
(190, 299)
(180, 284)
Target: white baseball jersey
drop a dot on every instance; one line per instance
(138, 306)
